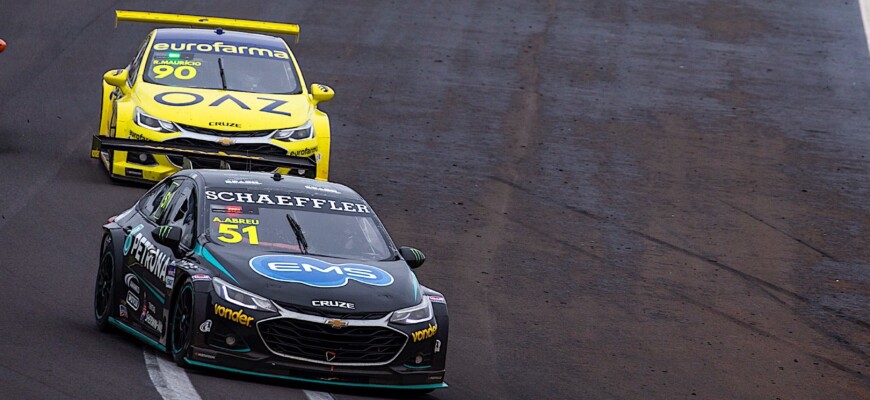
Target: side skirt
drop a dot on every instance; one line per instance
(137, 334)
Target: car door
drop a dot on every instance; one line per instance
(148, 263)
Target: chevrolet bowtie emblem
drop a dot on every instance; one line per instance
(226, 142)
(336, 323)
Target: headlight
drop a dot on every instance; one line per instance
(241, 297)
(420, 313)
(148, 122)
(306, 131)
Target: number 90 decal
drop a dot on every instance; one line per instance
(183, 72)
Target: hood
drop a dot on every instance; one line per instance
(296, 279)
(223, 109)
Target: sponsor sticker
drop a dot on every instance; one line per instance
(237, 316)
(203, 355)
(122, 311)
(200, 277)
(205, 327)
(239, 49)
(317, 273)
(170, 276)
(242, 181)
(132, 301)
(287, 201)
(145, 253)
(153, 323)
(132, 282)
(322, 189)
(437, 299)
(424, 334)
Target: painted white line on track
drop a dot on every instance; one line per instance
(169, 379)
(172, 382)
(317, 395)
(865, 17)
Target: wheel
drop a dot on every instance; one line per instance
(182, 324)
(104, 290)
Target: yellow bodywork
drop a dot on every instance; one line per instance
(227, 111)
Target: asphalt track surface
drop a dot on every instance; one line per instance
(620, 199)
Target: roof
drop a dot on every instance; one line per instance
(265, 182)
(210, 35)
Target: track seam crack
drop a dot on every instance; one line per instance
(784, 233)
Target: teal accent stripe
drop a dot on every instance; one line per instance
(416, 286)
(416, 366)
(137, 334)
(245, 350)
(202, 251)
(413, 387)
(150, 288)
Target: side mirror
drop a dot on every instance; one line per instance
(412, 256)
(169, 236)
(116, 78)
(321, 93)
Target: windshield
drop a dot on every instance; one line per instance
(325, 231)
(219, 65)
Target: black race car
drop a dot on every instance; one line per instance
(271, 276)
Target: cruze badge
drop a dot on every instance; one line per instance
(317, 273)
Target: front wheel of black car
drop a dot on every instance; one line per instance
(104, 293)
(182, 324)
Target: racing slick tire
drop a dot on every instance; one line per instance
(182, 324)
(104, 289)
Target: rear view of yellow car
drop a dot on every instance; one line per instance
(215, 88)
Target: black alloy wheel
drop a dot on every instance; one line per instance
(104, 293)
(182, 324)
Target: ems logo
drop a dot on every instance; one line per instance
(317, 273)
(330, 355)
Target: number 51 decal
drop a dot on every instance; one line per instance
(233, 236)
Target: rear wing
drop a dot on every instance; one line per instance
(300, 165)
(207, 22)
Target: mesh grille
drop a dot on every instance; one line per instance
(217, 132)
(321, 342)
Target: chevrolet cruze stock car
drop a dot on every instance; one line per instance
(214, 88)
(283, 277)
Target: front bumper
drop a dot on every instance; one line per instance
(162, 158)
(271, 367)
(417, 365)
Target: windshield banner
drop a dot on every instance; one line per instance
(243, 49)
(287, 201)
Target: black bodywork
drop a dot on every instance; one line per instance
(161, 250)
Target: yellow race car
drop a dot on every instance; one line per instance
(214, 89)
